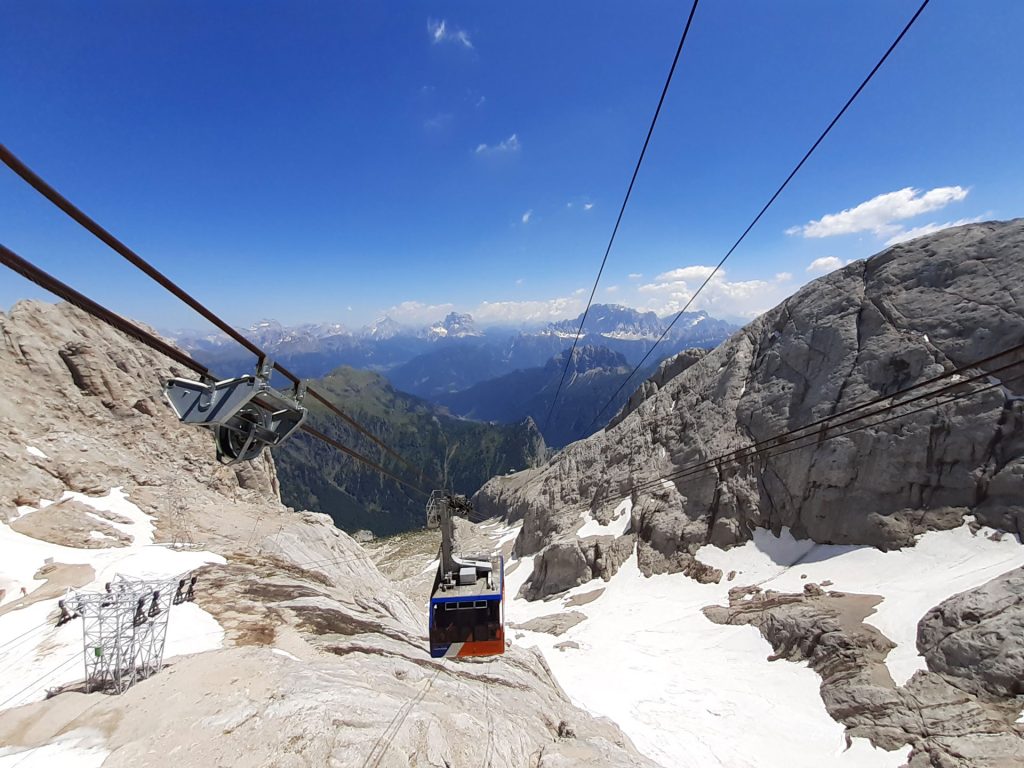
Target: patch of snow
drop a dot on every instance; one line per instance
(100, 535)
(284, 653)
(80, 748)
(33, 451)
(628, 336)
(906, 578)
(504, 534)
(662, 661)
(33, 649)
(688, 692)
(616, 527)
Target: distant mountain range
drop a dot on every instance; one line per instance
(592, 377)
(492, 374)
(313, 350)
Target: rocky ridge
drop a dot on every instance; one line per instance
(901, 317)
(961, 712)
(325, 660)
(904, 316)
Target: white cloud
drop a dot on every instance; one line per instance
(511, 144)
(526, 216)
(824, 264)
(349, 309)
(481, 101)
(634, 275)
(543, 310)
(878, 214)
(587, 206)
(416, 312)
(579, 291)
(439, 33)
(611, 289)
(520, 281)
(745, 298)
(927, 229)
(438, 121)
(686, 273)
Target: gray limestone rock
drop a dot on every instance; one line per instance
(937, 713)
(326, 662)
(571, 562)
(864, 332)
(976, 638)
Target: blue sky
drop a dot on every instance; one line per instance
(337, 161)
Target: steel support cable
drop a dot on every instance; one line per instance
(767, 205)
(24, 634)
(747, 453)
(46, 281)
(37, 681)
(827, 422)
(622, 210)
(348, 451)
(772, 453)
(79, 216)
(55, 197)
(364, 431)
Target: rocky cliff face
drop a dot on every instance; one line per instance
(903, 316)
(961, 712)
(325, 660)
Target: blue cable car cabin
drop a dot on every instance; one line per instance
(467, 616)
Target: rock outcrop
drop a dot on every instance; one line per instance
(911, 313)
(956, 714)
(326, 660)
(976, 638)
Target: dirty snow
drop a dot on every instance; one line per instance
(691, 693)
(33, 451)
(34, 654)
(81, 748)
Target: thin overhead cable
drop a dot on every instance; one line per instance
(44, 280)
(767, 205)
(622, 209)
(788, 441)
(814, 429)
(79, 216)
(776, 451)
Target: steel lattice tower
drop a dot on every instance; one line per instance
(123, 631)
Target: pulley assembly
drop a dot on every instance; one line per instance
(245, 414)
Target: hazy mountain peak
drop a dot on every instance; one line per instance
(455, 325)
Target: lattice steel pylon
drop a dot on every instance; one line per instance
(123, 631)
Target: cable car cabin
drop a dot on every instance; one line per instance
(466, 611)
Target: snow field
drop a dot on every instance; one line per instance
(912, 581)
(618, 525)
(691, 693)
(81, 748)
(34, 654)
